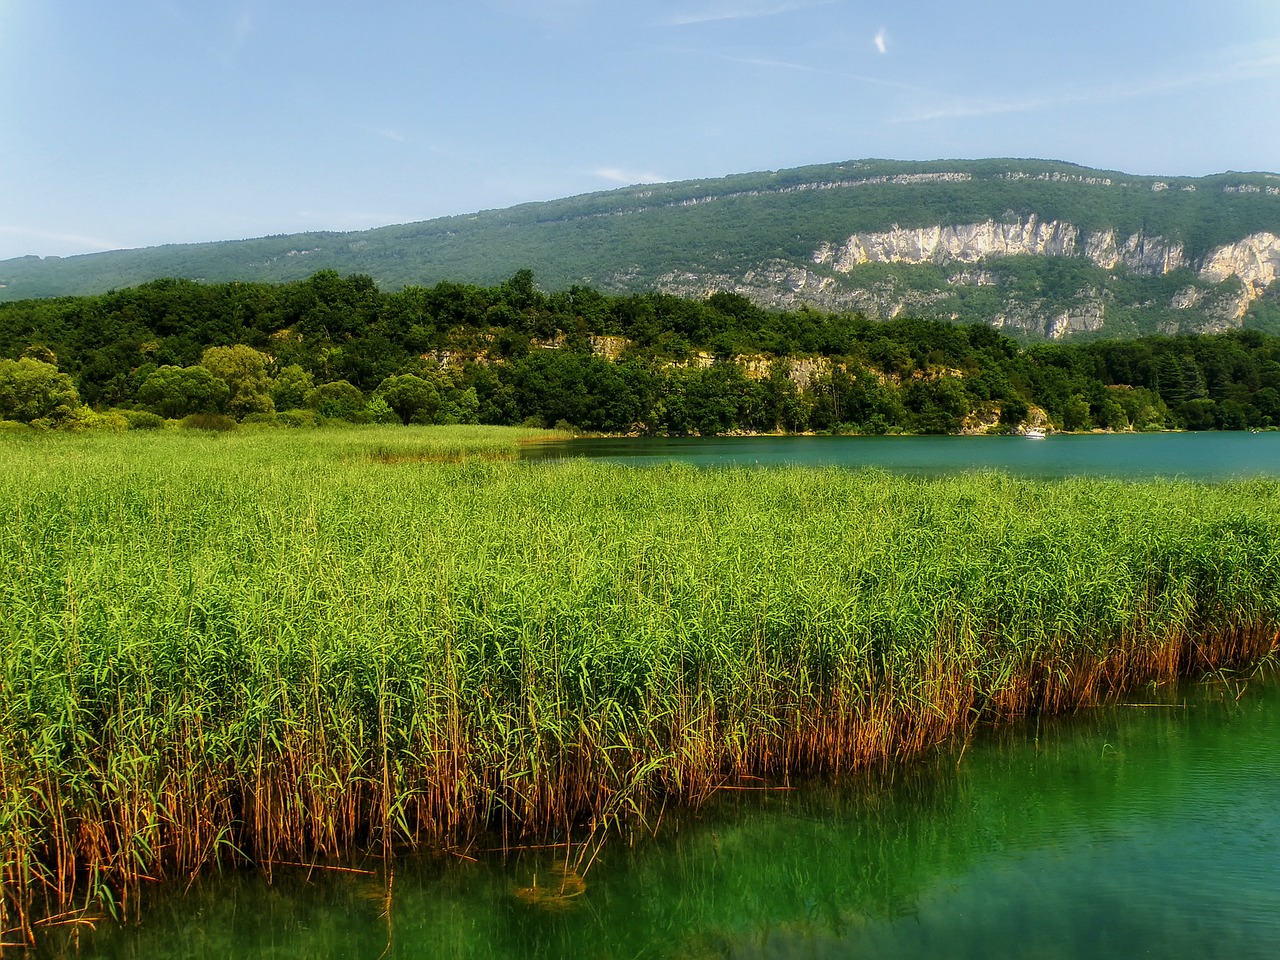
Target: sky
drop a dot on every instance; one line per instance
(140, 122)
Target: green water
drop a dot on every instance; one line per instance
(1133, 831)
(1196, 456)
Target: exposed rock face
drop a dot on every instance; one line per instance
(967, 243)
(802, 371)
(1086, 315)
(1255, 260)
(775, 283)
(1149, 256)
(1187, 298)
(1218, 308)
(607, 346)
(1230, 277)
(974, 278)
(970, 243)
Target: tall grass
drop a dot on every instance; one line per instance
(281, 646)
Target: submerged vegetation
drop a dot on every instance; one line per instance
(272, 647)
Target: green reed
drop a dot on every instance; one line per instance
(277, 646)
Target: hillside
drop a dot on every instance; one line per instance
(1035, 248)
(339, 348)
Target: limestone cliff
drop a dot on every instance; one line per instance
(1085, 313)
(1147, 256)
(967, 243)
(974, 242)
(1255, 260)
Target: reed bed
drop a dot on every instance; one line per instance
(277, 647)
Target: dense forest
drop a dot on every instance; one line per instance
(334, 347)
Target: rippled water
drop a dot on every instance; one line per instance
(1194, 456)
(1140, 830)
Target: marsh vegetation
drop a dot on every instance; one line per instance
(280, 646)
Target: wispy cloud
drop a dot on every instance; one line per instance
(626, 177)
(1226, 67)
(742, 10)
(88, 244)
(772, 64)
(242, 28)
(881, 41)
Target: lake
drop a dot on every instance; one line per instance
(1144, 829)
(1210, 456)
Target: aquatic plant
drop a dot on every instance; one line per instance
(275, 647)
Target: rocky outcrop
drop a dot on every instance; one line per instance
(1149, 256)
(775, 284)
(1086, 314)
(974, 278)
(1255, 260)
(802, 371)
(607, 346)
(1229, 278)
(971, 243)
(1218, 307)
(966, 243)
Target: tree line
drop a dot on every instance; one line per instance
(338, 348)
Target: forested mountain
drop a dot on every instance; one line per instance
(1034, 248)
(333, 347)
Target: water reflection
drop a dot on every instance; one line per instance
(1193, 456)
(1141, 830)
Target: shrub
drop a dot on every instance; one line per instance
(207, 421)
(299, 418)
(142, 420)
(86, 418)
(381, 412)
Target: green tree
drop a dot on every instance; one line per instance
(379, 412)
(1111, 416)
(1013, 411)
(460, 406)
(1075, 414)
(244, 371)
(413, 399)
(290, 388)
(338, 400)
(1201, 414)
(31, 389)
(175, 392)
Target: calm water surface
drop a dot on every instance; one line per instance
(1134, 831)
(1196, 456)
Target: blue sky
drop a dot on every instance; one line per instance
(138, 122)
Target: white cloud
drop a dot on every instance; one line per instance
(626, 177)
(70, 242)
(1227, 67)
(880, 42)
(243, 27)
(801, 68)
(742, 10)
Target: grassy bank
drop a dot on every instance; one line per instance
(275, 646)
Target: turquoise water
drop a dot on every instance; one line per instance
(1145, 830)
(1196, 456)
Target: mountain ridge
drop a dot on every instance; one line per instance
(1134, 254)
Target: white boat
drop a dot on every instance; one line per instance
(1034, 433)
